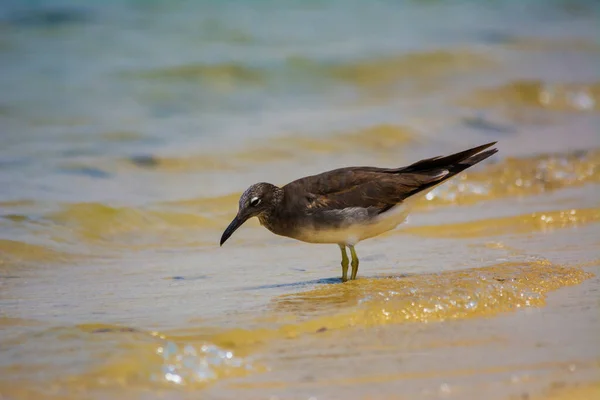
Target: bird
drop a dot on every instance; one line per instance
(347, 205)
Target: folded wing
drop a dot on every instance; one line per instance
(379, 189)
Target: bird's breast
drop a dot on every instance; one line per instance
(279, 225)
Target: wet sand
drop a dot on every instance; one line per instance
(494, 298)
(112, 283)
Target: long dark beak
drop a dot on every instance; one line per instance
(236, 223)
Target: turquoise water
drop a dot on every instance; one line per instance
(129, 128)
(189, 76)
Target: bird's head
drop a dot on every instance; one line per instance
(258, 199)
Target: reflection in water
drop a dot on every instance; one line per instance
(130, 127)
(416, 72)
(199, 365)
(194, 222)
(51, 17)
(219, 76)
(197, 356)
(15, 254)
(535, 222)
(521, 177)
(377, 139)
(322, 281)
(557, 97)
(431, 297)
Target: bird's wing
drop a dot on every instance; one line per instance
(337, 180)
(381, 188)
(377, 192)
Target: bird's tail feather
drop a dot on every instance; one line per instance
(439, 169)
(469, 157)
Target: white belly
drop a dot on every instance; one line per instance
(353, 234)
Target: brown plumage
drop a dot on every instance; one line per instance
(347, 205)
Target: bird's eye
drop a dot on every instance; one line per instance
(254, 201)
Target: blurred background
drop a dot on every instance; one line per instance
(130, 127)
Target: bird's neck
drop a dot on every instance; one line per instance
(269, 216)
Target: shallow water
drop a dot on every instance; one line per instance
(130, 128)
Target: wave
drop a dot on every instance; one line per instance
(518, 224)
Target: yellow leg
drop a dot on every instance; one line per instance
(344, 263)
(354, 262)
